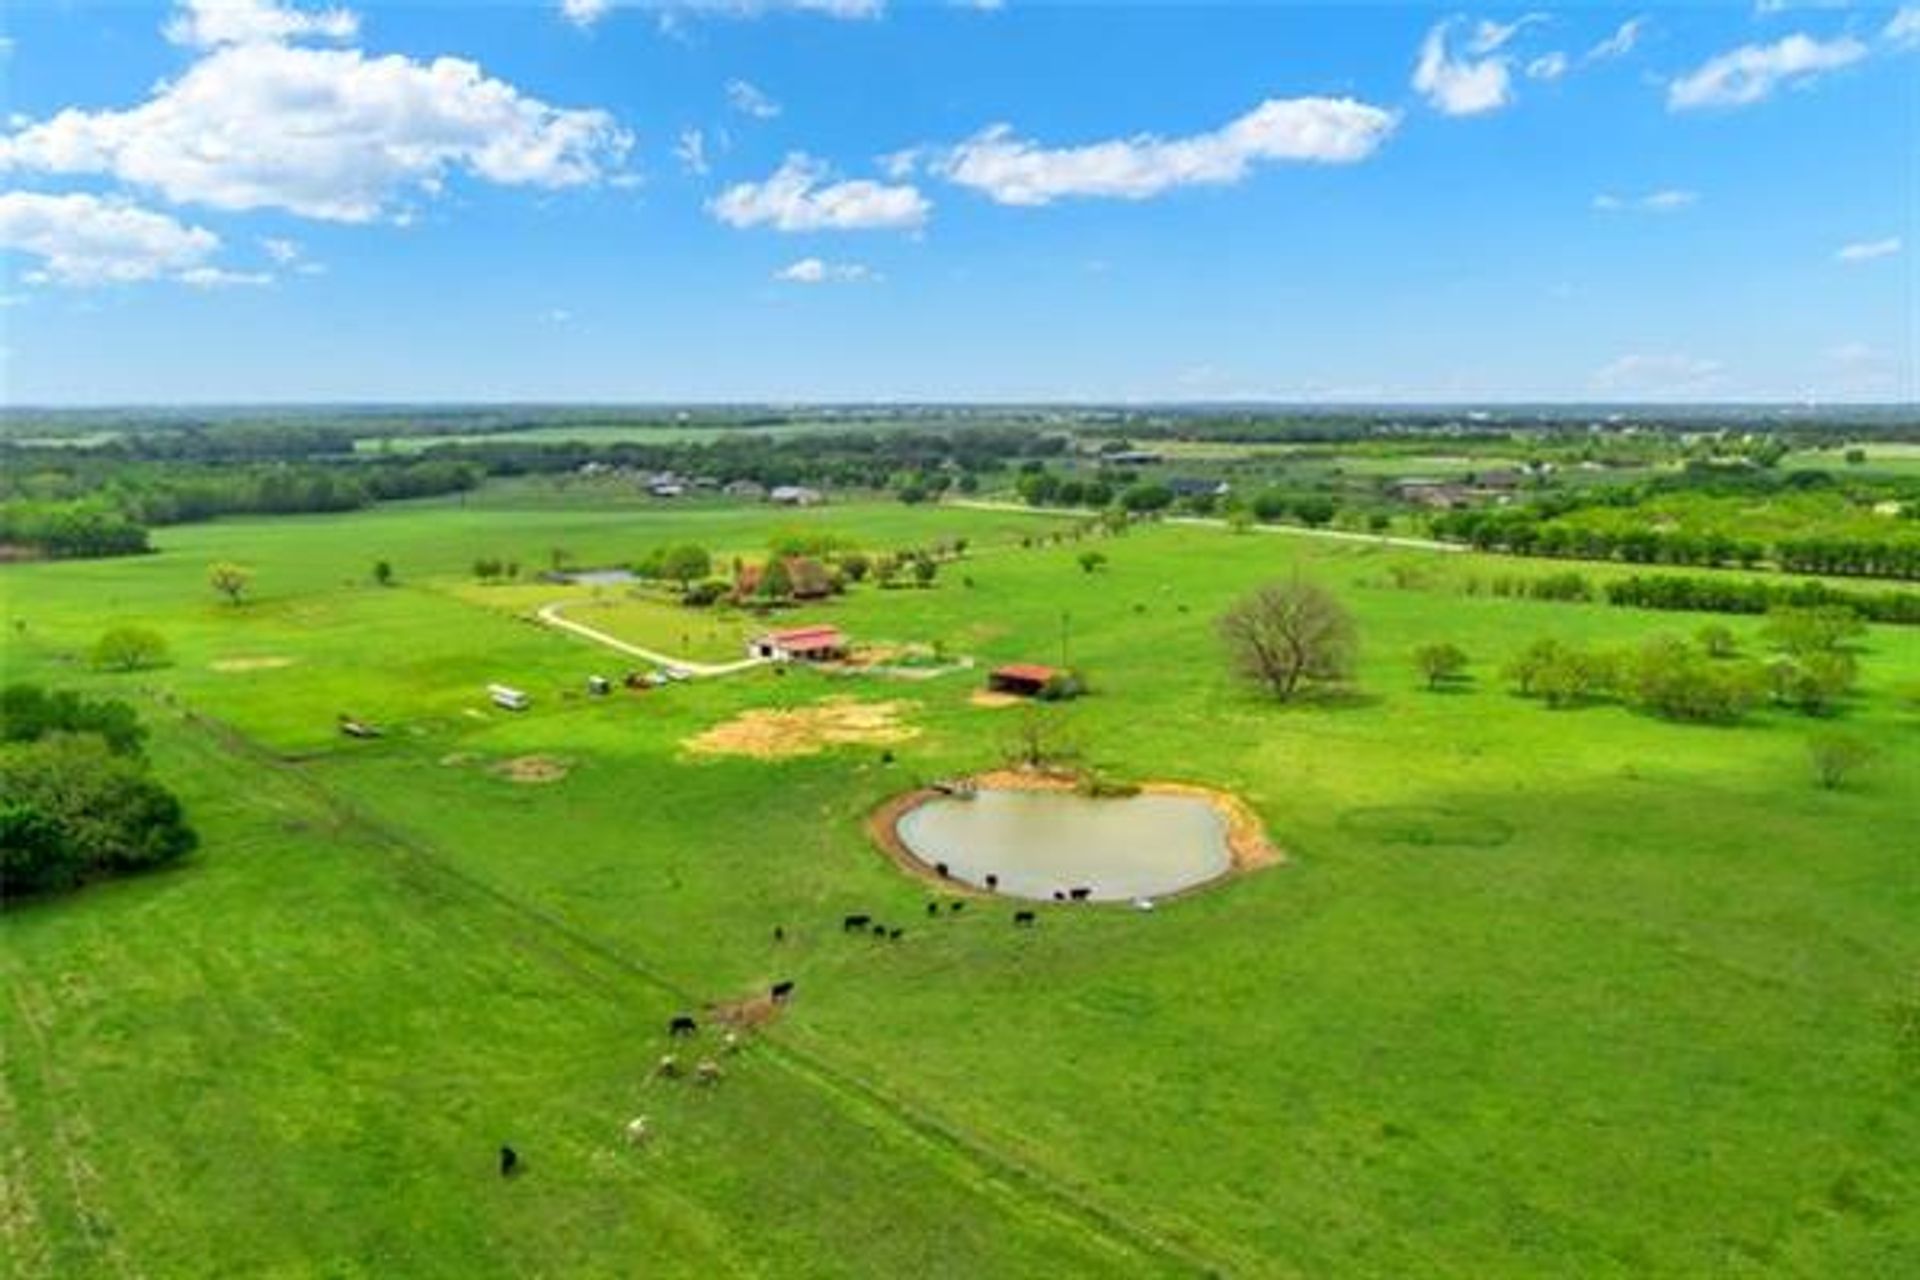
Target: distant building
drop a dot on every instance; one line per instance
(1189, 487)
(820, 643)
(1133, 458)
(1442, 495)
(744, 489)
(795, 495)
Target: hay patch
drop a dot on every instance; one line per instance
(268, 663)
(769, 734)
(995, 701)
(533, 770)
(746, 1014)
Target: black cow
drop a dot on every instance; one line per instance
(933, 908)
(1023, 917)
(779, 933)
(993, 882)
(782, 991)
(851, 923)
(956, 907)
(940, 869)
(1059, 896)
(879, 931)
(894, 935)
(682, 1025)
(1080, 895)
(509, 1162)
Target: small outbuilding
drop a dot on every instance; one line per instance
(800, 644)
(1023, 679)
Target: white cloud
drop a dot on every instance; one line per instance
(671, 11)
(1620, 43)
(1903, 29)
(221, 278)
(1548, 66)
(283, 252)
(1659, 375)
(1012, 170)
(1868, 250)
(1461, 86)
(820, 271)
(690, 149)
(326, 133)
(585, 13)
(208, 24)
(799, 197)
(1670, 200)
(1752, 72)
(979, 6)
(556, 315)
(749, 99)
(1489, 36)
(85, 240)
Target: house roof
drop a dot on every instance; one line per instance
(806, 637)
(1025, 671)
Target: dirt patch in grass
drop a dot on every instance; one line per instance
(745, 1014)
(771, 734)
(251, 664)
(533, 770)
(995, 701)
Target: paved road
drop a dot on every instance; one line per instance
(1213, 522)
(552, 617)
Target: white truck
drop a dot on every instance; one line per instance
(509, 698)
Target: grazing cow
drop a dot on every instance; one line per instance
(933, 908)
(993, 882)
(894, 935)
(638, 1131)
(707, 1071)
(940, 869)
(682, 1025)
(1023, 917)
(782, 991)
(779, 933)
(1059, 896)
(1080, 895)
(886, 757)
(956, 907)
(850, 923)
(509, 1162)
(879, 931)
(668, 1068)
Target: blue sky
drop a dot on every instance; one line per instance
(239, 200)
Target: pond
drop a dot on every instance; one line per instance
(1039, 842)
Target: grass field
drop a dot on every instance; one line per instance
(1537, 993)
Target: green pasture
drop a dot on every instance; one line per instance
(1537, 993)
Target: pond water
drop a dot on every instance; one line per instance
(1040, 841)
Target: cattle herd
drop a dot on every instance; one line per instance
(707, 1071)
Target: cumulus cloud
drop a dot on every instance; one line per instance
(1657, 375)
(1669, 200)
(207, 24)
(690, 149)
(1489, 36)
(749, 99)
(800, 196)
(282, 251)
(85, 240)
(585, 13)
(1456, 84)
(325, 133)
(1013, 170)
(1868, 250)
(1548, 66)
(1752, 72)
(820, 271)
(1620, 43)
(1903, 29)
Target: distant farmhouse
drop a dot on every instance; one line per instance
(1024, 679)
(795, 495)
(820, 643)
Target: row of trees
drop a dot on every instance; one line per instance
(1523, 532)
(76, 798)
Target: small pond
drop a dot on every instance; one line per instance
(1036, 842)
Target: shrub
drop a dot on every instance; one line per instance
(129, 649)
(1836, 756)
(1440, 663)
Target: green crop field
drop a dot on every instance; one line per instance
(1536, 992)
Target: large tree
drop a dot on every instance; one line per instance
(1288, 636)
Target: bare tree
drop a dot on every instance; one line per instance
(1288, 635)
